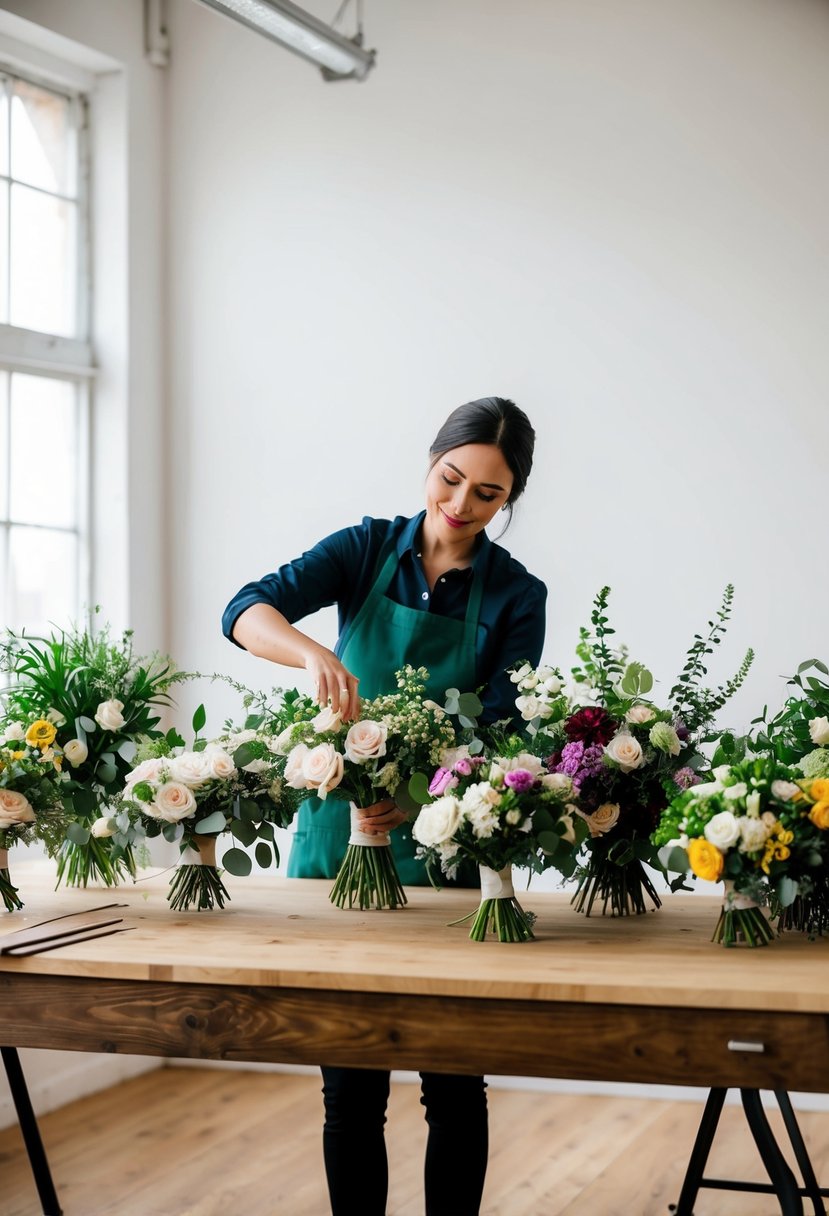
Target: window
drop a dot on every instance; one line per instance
(45, 356)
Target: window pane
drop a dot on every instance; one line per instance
(42, 139)
(43, 262)
(4, 125)
(43, 450)
(4, 455)
(42, 590)
(4, 253)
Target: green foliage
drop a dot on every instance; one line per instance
(602, 664)
(691, 702)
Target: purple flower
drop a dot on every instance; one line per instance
(682, 733)
(520, 780)
(685, 778)
(571, 757)
(443, 780)
(462, 767)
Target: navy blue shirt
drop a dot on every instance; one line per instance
(342, 568)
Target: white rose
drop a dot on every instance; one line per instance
(784, 791)
(559, 782)
(819, 731)
(529, 707)
(14, 732)
(190, 768)
(603, 818)
(753, 834)
(322, 768)
(524, 760)
(75, 752)
(366, 741)
(173, 801)
(721, 773)
(15, 808)
(639, 714)
(217, 763)
(437, 821)
(327, 720)
(722, 830)
(281, 744)
(735, 792)
(294, 776)
(108, 715)
(102, 827)
(625, 751)
(551, 685)
(147, 770)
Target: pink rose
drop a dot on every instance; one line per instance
(15, 808)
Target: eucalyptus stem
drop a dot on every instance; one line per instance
(368, 878)
(197, 885)
(80, 864)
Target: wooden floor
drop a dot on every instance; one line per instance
(187, 1142)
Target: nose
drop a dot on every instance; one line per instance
(460, 502)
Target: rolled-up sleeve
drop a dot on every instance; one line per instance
(322, 576)
(519, 636)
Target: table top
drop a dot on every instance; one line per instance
(285, 933)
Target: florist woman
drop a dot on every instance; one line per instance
(431, 591)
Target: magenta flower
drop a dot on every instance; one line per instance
(443, 780)
(520, 780)
(463, 767)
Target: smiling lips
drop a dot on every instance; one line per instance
(452, 522)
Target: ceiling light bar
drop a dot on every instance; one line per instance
(339, 58)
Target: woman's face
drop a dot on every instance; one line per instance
(465, 488)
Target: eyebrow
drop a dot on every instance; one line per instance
(490, 485)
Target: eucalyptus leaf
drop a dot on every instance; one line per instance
(418, 789)
(786, 890)
(250, 810)
(265, 830)
(237, 862)
(245, 753)
(674, 858)
(405, 801)
(549, 841)
(470, 704)
(106, 772)
(211, 825)
(264, 854)
(172, 832)
(127, 751)
(78, 834)
(243, 830)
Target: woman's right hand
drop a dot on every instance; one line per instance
(333, 684)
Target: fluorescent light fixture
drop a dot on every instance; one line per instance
(339, 58)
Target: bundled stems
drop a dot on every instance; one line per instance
(499, 911)
(367, 876)
(8, 892)
(80, 864)
(741, 921)
(197, 881)
(807, 913)
(620, 889)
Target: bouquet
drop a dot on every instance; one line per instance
(625, 755)
(192, 796)
(759, 830)
(382, 755)
(504, 812)
(99, 699)
(29, 792)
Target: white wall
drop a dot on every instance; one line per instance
(613, 212)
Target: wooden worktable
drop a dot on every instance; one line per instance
(282, 975)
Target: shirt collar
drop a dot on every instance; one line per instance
(408, 538)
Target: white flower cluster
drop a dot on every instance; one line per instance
(322, 768)
(538, 688)
(174, 780)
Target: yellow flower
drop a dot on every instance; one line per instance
(781, 852)
(40, 733)
(819, 815)
(705, 859)
(17, 755)
(784, 836)
(820, 790)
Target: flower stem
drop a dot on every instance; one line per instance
(8, 893)
(199, 885)
(368, 878)
(742, 926)
(503, 916)
(78, 865)
(622, 888)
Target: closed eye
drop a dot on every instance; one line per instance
(480, 493)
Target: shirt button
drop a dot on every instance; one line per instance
(425, 595)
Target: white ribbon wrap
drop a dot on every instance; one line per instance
(4, 859)
(735, 901)
(496, 884)
(203, 855)
(366, 839)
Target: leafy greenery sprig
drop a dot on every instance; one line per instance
(695, 705)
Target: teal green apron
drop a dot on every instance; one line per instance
(383, 637)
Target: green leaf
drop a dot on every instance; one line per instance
(245, 753)
(88, 724)
(470, 704)
(172, 832)
(674, 858)
(237, 862)
(549, 841)
(405, 801)
(250, 810)
(174, 738)
(786, 890)
(264, 855)
(106, 771)
(211, 825)
(418, 789)
(199, 719)
(243, 830)
(127, 751)
(78, 834)
(265, 830)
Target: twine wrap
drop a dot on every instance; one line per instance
(365, 839)
(204, 853)
(496, 884)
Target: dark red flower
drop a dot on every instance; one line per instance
(590, 725)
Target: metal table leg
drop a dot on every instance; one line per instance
(31, 1133)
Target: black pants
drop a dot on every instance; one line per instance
(355, 1149)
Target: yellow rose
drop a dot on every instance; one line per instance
(820, 790)
(40, 733)
(705, 859)
(819, 815)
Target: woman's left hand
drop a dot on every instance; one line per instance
(381, 817)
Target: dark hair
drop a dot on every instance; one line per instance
(494, 420)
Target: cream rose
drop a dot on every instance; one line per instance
(722, 830)
(327, 720)
(530, 707)
(281, 744)
(147, 770)
(639, 714)
(784, 791)
(525, 760)
(603, 818)
(75, 752)
(322, 769)
(189, 768)
(366, 741)
(294, 776)
(819, 731)
(625, 751)
(108, 715)
(437, 821)
(559, 782)
(217, 763)
(102, 827)
(15, 808)
(173, 801)
(753, 834)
